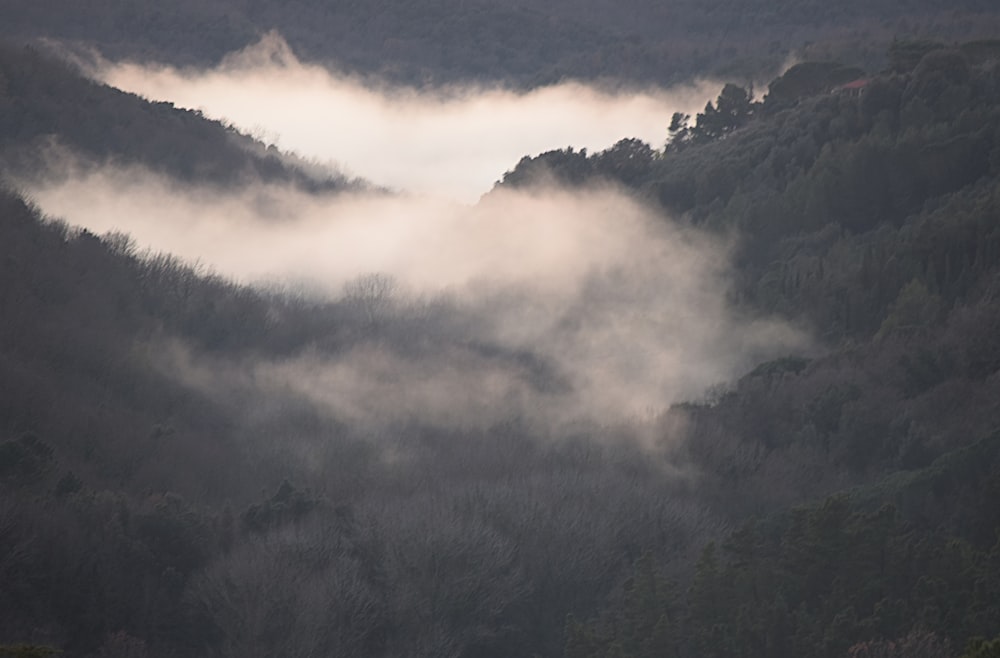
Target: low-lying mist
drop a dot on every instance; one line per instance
(552, 305)
(452, 141)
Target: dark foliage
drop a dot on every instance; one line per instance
(871, 217)
(44, 103)
(843, 504)
(513, 41)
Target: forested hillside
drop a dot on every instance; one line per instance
(49, 110)
(512, 42)
(873, 219)
(142, 510)
(168, 490)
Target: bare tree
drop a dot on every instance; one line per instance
(371, 295)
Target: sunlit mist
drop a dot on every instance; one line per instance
(628, 309)
(453, 141)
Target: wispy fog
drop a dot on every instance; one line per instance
(550, 304)
(452, 141)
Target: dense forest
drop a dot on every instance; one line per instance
(840, 501)
(514, 42)
(874, 220)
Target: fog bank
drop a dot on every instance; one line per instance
(548, 304)
(453, 141)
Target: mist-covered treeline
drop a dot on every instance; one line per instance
(140, 506)
(872, 219)
(194, 467)
(836, 197)
(46, 105)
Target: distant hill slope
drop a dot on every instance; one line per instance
(872, 214)
(872, 220)
(133, 498)
(823, 187)
(162, 496)
(44, 102)
(524, 43)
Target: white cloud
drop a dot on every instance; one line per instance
(619, 309)
(625, 307)
(453, 141)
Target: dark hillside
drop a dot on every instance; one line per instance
(145, 507)
(908, 567)
(840, 201)
(163, 493)
(516, 42)
(873, 218)
(45, 103)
